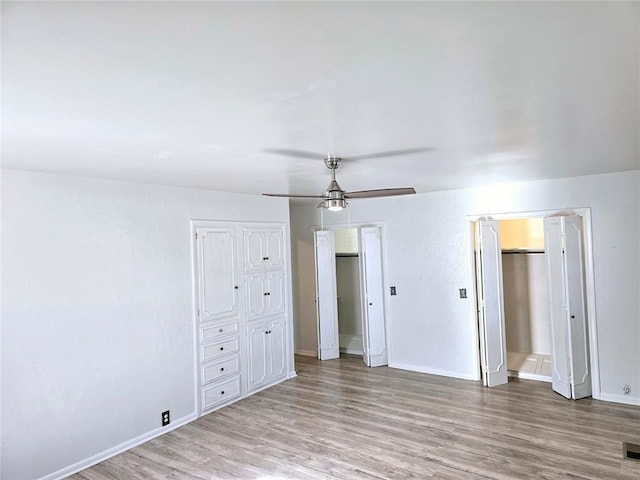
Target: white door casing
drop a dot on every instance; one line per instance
(372, 295)
(493, 345)
(326, 295)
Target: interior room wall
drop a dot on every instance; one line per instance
(349, 308)
(97, 313)
(526, 303)
(430, 328)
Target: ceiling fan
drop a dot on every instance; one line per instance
(335, 198)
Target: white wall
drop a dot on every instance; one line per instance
(526, 303)
(97, 320)
(430, 328)
(348, 287)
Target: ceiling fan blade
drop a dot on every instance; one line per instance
(390, 153)
(291, 195)
(382, 192)
(295, 153)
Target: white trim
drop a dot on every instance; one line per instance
(529, 376)
(307, 353)
(626, 399)
(585, 213)
(113, 451)
(351, 351)
(432, 371)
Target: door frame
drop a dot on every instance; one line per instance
(385, 285)
(590, 290)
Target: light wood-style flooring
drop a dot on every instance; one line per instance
(340, 419)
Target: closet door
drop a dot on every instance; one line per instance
(571, 375)
(493, 346)
(217, 282)
(373, 322)
(326, 295)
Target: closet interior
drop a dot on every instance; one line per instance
(526, 299)
(348, 291)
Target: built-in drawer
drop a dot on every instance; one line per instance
(218, 349)
(215, 370)
(221, 392)
(213, 331)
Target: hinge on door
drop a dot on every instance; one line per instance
(198, 313)
(196, 235)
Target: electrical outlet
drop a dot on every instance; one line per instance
(393, 290)
(463, 292)
(626, 390)
(166, 420)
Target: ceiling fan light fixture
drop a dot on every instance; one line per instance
(335, 204)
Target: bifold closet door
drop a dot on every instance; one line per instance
(326, 295)
(493, 346)
(373, 321)
(571, 373)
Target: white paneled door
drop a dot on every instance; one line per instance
(571, 373)
(218, 282)
(373, 319)
(493, 347)
(326, 295)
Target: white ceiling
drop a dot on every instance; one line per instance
(191, 94)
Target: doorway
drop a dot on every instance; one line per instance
(571, 359)
(350, 294)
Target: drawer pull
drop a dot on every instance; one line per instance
(222, 392)
(221, 330)
(221, 348)
(236, 287)
(222, 369)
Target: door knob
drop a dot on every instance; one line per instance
(370, 303)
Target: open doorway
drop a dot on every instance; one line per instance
(349, 288)
(526, 298)
(350, 294)
(568, 353)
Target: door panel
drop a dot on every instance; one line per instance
(256, 297)
(218, 281)
(274, 283)
(571, 372)
(276, 338)
(257, 354)
(254, 247)
(490, 297)
(373, 328)
(560, 354)
(326, 296)
(580, 368)
(274, 248)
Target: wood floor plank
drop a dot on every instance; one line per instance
(340, 419)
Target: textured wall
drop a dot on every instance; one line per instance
(428, 259)
(97, 319)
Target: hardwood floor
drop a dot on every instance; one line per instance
(340, 419)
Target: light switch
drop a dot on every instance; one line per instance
(393, 290)
(463, 293)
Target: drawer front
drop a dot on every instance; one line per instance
(220, 392)
(218, 349)
(213, 332)
(213, 371)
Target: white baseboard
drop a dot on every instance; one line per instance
(530, 376)
(350, 351)
(307, 353)
(626, 399)
(113, 451)
(432, 371)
